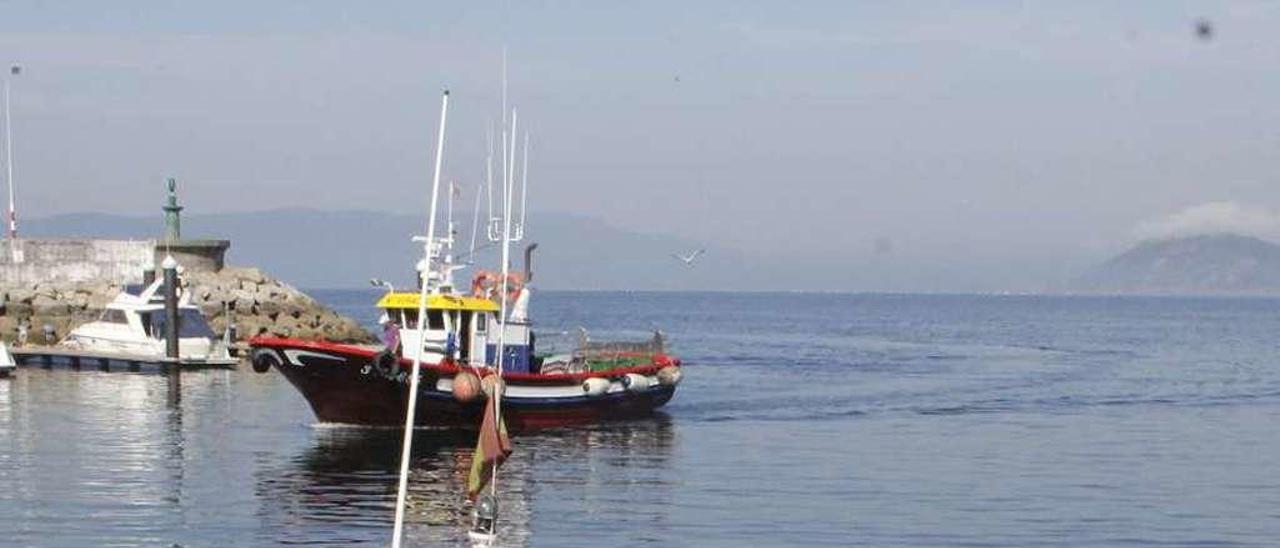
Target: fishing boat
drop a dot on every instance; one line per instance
(369, 385)
(466, 339)
(132, 331)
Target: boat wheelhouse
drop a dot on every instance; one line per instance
(460, 328)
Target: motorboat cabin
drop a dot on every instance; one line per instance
(134, 324)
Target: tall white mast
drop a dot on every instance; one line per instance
(453, 189)
(510, 183)
(8, 160)
(446, 268)
(475, 226)
(524, 187)
(504, 88)
(502, 307)
(429, 252)
(505, 166)
(491, 223)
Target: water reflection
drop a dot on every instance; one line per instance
(342, 488)
(107, 446)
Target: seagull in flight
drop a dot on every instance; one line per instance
(1204, 29)
(688, 259)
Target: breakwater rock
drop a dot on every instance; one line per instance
(256, 303)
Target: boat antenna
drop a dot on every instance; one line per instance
(504, 89)
(405, 450)
(524, 188)
(491, 224)
(447, 267)
(506, 166)
(8, 161)
(502, 310)
(510, 183)
(475, 225)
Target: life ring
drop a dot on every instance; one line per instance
(483, 282)
(486, 284)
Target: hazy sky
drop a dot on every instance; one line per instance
(1006, 140)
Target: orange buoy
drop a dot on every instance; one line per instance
(466, 386)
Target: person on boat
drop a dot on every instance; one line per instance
(390, 333)
(451, 345)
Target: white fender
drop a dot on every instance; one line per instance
(670, 375)
(595, 386)
(635, 382)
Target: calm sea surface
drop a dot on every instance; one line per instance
(803, 420)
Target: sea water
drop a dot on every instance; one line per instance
(802, 419)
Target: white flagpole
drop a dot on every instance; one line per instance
(405, 450)
(507, 193)
(8, 161)
(524, 186)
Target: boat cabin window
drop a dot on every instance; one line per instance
(435, 319)
(481, 320)
(190, 324)
(112, 315)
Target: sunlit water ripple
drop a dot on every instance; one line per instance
(803, 420)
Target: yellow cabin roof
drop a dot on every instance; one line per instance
(436, 302)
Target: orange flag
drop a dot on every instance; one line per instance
(492, 449)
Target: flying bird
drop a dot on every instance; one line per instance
(688, 259)
(1204, 29)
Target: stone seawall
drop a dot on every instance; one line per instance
(258, 305)
(73, 260)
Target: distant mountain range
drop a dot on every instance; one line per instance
(343, 249)
(1209, 264)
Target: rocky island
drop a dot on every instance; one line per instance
(1210, 264)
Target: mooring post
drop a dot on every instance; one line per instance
(170, 267)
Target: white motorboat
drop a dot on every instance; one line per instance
(132, 329)
(7, 364)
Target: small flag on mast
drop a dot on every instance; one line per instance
(492, 449)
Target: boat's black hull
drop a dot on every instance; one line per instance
(345, 384)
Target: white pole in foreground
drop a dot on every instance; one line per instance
(508, 194)
(8, 159)
(405, 449)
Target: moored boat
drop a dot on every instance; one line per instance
(132, 332)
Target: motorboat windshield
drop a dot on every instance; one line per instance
(191, 324)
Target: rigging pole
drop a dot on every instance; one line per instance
(12, 219)
(428, 265)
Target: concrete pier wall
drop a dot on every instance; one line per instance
(74, 260)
